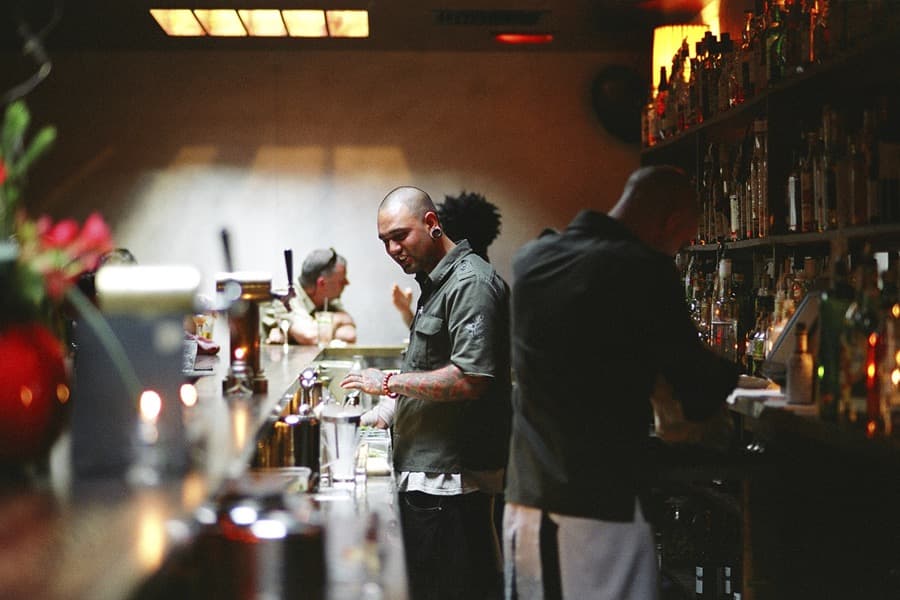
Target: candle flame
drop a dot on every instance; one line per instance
(151, 405)
(188, 394)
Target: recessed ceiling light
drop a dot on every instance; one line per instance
(220, 22)
(265, 23)
(348, 23)
(305, 23)
(177, 22)
(313, 23)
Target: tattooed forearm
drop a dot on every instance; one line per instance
(447, 384)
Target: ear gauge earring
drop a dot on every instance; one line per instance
(436, 233)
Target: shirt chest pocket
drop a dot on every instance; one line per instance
(430, 346)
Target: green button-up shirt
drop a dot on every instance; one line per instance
(463, 319)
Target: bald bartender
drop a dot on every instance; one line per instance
(451, 424)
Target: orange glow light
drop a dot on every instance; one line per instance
(873, 339)
(871, 428)
(514, 39)
(240, 353)
(62, 393)
(870, 370)
(26, 396)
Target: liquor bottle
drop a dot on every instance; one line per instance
(861, 327)
(870, 152)
(794, 216)
(682, 89)
(662, 105)
(800, 369)
(857, 183)
(727, 79)
(831, 354)
(747, 50)
(820, 32)
(775, 42)
(757, 346)
(758, 180)
(842, 177)
(694, 116)
(807, 190)
(827, 166)
(818, 181)
(760, 59)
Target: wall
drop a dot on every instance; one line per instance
(296, 149)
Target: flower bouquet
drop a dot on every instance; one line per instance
(40, 261)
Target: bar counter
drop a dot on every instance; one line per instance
(814, 502)
(107, 539)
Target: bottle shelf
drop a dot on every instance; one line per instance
(876, 234)
(874, 60)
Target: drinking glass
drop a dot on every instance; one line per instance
(200, 320)
(723, 338)
(285, 326)
(340, 439)
(325, 323)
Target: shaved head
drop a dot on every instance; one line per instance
(416, 201)
(410, 229)
(659, 204)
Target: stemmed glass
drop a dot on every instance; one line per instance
(285, 326)
(199, 322)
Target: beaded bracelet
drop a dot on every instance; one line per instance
(384, 386)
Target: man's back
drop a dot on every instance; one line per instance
(597, 315)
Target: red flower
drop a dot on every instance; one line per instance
(93, 241)
(57, 236)
(2, 171)
(63, 251)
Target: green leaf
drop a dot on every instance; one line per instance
(38, 146)
(15, 123)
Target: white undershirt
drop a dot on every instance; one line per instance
(437, 484)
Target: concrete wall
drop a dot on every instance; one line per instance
(296, 149)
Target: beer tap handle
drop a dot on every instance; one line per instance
(226, 247)
(291, 292)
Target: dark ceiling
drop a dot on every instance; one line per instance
(439, 25)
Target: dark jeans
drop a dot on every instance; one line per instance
(450, 546)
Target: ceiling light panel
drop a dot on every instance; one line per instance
(177, 22)
(348, 23)
(305, 23)
(220, 22)
(263, 23)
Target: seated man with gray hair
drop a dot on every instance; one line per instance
(323, 277)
